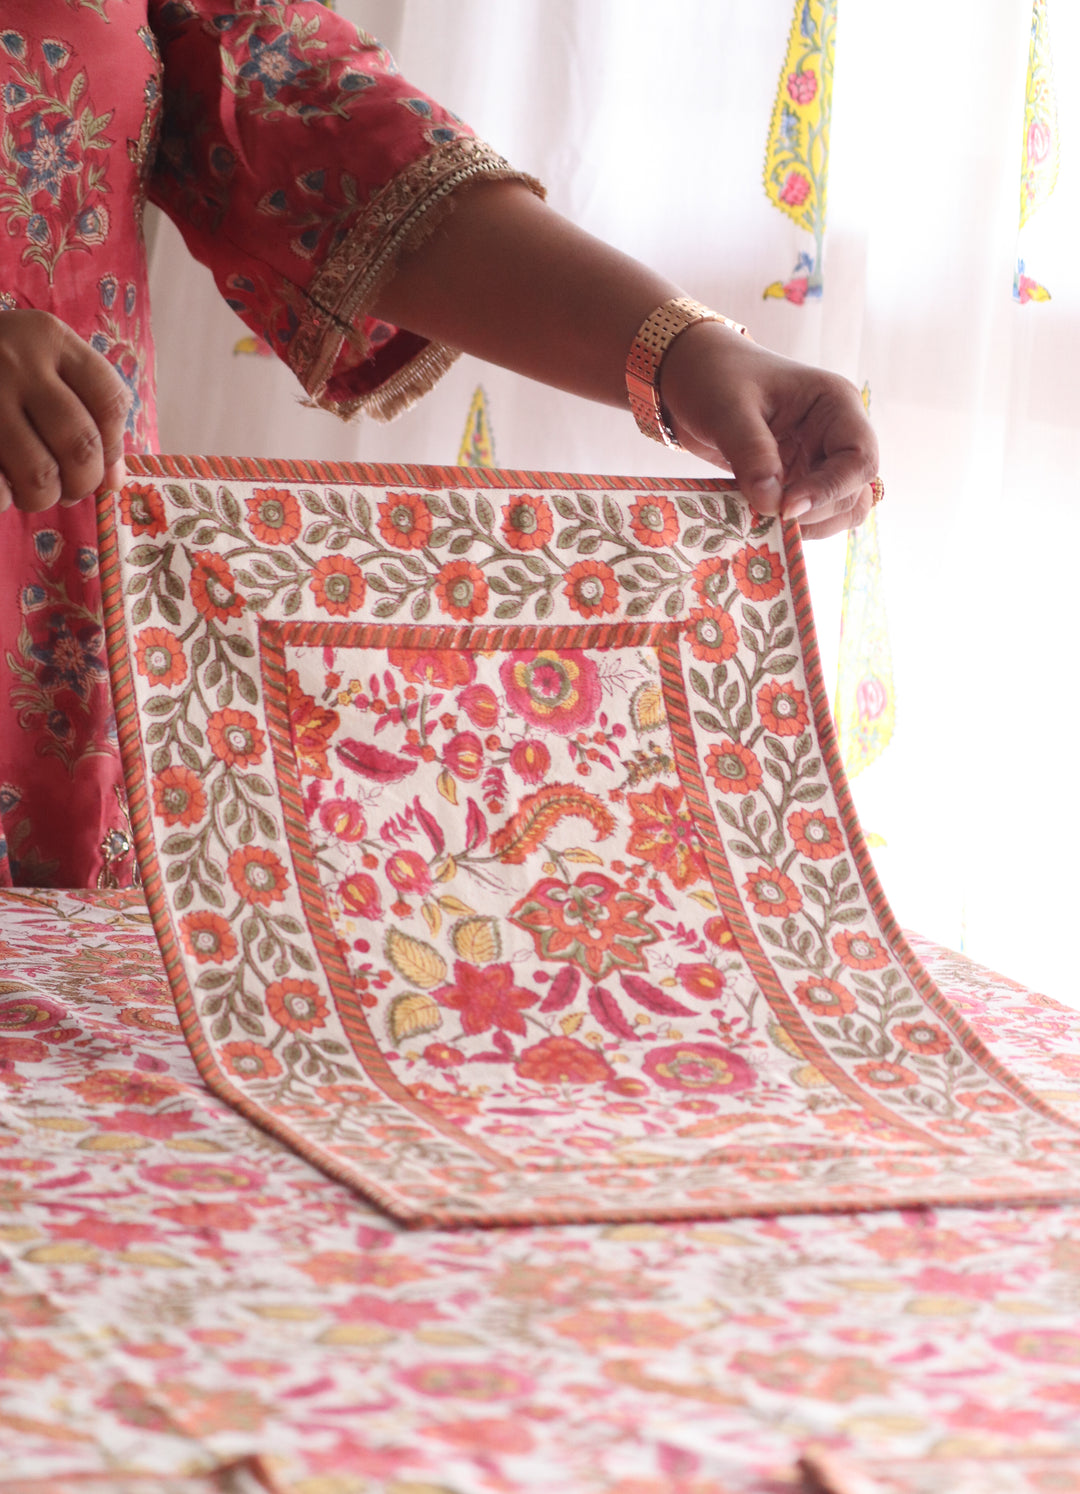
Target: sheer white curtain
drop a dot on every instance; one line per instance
(649, 127)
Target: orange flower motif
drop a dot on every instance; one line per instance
(782, 708)
(772, 893)
(159, 657)
(988, 1101)
(405, 521)
(179, 797)
(825, 998)
(213, 587)
(296, 1004)
(718, 931)
(486, 996)
(712, 634)
(274, 516)
(663, 834)
(710, 579)
(881, 1075)
(250, 1061)
(208, 937)
(758, 572)
(591, 588)
(860, 952)
(337, 584)
(815, 834)
(733, 768)
(922, 1037)
(701, 980)
(442, 668)
(235, 738)
(313, 727)
(563, 1060)
(526, 522)
(258, 875)
(462, 590)
(142, 509)
(654, 522)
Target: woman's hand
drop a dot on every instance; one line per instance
(507, 279)
(797, 438)
(62, 413)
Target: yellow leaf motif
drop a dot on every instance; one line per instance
(454, 904)
(705, 898)
(412, 1015)
(571, 1023)
(414, 960)
(581, 857)
(432, 916)
(446, 872)
(447, 786)
(476, 940)
(647, 711)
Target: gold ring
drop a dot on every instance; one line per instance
(877, 489)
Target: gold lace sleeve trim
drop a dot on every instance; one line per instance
(398, 218)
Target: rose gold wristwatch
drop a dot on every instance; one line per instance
(654, 337)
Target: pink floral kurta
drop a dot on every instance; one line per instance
(298, 164)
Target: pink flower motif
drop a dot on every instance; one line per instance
(359, 896)
(695, 1067)
(343, 818)
(464, 755)
(554, 688)
(796, 189)
(408, 872)
(530, 761)
(1039, 140)
(802, 86)
(481, 705)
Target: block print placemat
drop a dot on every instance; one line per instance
(502, 861)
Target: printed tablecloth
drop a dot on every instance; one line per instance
(181, 1292)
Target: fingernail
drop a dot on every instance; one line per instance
(798, 508)
(767, 490)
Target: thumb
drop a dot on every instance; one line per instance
(754, 457)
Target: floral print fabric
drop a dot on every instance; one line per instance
(196, 104)
(503, 863)
(179, 1293)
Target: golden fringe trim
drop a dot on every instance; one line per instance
(404, 213)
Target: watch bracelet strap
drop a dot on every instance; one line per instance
(651, 343)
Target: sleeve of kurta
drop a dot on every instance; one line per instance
(300, 167)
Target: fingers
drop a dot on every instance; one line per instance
(62, 413)
(105, 397)
(836, 454)
(751, 451)
(848, 514)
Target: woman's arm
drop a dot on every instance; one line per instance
(509, 280)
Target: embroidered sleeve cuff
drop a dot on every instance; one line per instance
(348, 361)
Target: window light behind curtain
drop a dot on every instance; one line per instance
(650, 127)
